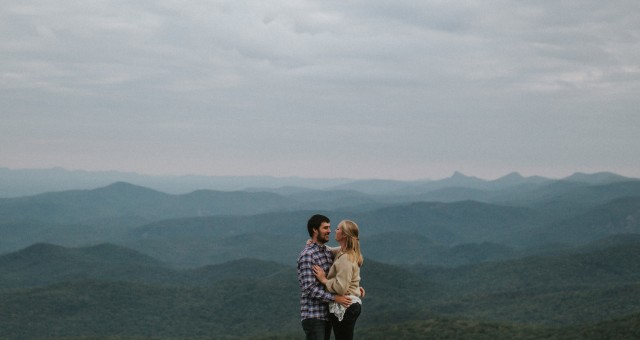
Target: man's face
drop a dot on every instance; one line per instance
(322, 236)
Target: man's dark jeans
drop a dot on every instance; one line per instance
(344, 329)
(316, 329)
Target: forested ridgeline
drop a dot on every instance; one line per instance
(111, 291)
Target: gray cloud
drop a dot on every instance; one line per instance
(401, 89)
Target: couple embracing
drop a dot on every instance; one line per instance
(330, 280)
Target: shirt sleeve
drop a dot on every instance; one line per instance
(340, 283)
(311, 287)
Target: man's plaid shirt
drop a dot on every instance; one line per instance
(314, 298)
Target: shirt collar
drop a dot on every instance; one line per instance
(322, 247)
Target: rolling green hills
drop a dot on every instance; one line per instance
(112, 291)
(522, 258)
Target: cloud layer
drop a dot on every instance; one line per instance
(388, 89)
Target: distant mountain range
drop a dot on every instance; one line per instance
(517, 257)
(456, 225)
(25, 182)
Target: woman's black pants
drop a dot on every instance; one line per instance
(343, 330)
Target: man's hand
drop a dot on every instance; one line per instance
(361, 292)
(343, 300)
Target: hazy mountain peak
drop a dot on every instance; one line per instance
(47, 253)
(510, 179)
(596, 178)
(512, 175)
(126, 188)
(459, 178)
(42, 248)
(459, 175)
(39, 253)
(120, 185)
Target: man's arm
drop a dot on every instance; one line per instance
(343, 300)
(310, 286)
(334, 250)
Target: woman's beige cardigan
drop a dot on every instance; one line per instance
(344, 276)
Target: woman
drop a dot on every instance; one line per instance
(344, 279)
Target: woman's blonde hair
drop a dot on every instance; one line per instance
(352, 241)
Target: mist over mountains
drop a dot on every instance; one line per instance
(23, 182)
(26, 182)
(486, 219)
(462, 248)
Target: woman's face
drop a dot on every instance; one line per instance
(339, 233)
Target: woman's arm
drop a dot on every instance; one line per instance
(339, 298)
(340, 283)
(320, 275)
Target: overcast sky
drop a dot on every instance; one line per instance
(359, 89)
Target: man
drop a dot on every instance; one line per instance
(314, 299)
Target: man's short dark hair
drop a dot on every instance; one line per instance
(315, 221)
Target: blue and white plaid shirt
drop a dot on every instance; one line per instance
(314, 298)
